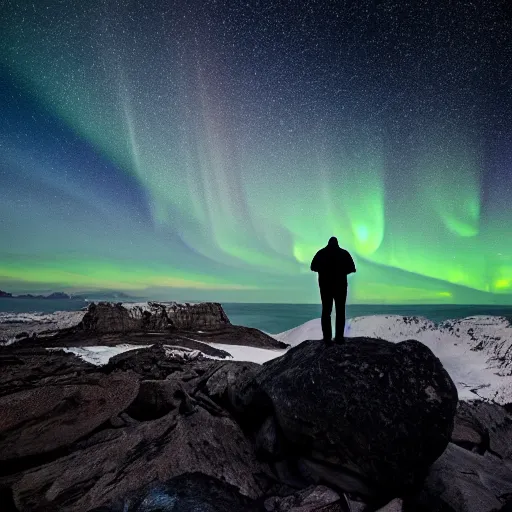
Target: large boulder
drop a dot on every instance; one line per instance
(368, 416)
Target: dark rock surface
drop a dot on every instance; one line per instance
(75, 436)
(28, 368)
(475, 472)
(483, 427)
(313, 498)
(220, 383)
(377, 411)
(507, 507)
(45, 418)
(191, 492)
(117, 461)
(462, 481)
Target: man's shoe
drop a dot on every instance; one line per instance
(339, 341)
(327, 341)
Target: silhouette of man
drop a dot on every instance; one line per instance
(333, 264)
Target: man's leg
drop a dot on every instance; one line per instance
(327, 298)
(340, 299)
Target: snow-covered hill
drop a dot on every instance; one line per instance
(12, 324)
(476, 351)
(59, 319)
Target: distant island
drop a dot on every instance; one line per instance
(100, 295)
(55, 295)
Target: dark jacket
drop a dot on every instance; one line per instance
(333, 264)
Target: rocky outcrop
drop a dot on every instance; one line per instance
(367, 416)
(106, 317)
(5, 295)
(187, 325)
(205, 315)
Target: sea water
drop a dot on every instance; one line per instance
(276, 318)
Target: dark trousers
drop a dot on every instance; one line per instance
(337, 294)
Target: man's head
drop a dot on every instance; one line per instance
(333, 242)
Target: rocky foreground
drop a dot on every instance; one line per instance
(368, 425)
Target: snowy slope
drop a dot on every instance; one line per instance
(12, 324)
(99, 354)
(61, 319)
(251, 354)
(476, 351)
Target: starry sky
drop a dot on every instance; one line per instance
(206, 149)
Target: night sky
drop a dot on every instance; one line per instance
(205, 150)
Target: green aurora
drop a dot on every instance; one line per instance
(151, 149)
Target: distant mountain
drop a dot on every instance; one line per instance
(54, 295)
(58, 295)
(103, 295)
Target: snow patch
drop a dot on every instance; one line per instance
(99, 354)
(62, 319)
(251, 354)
